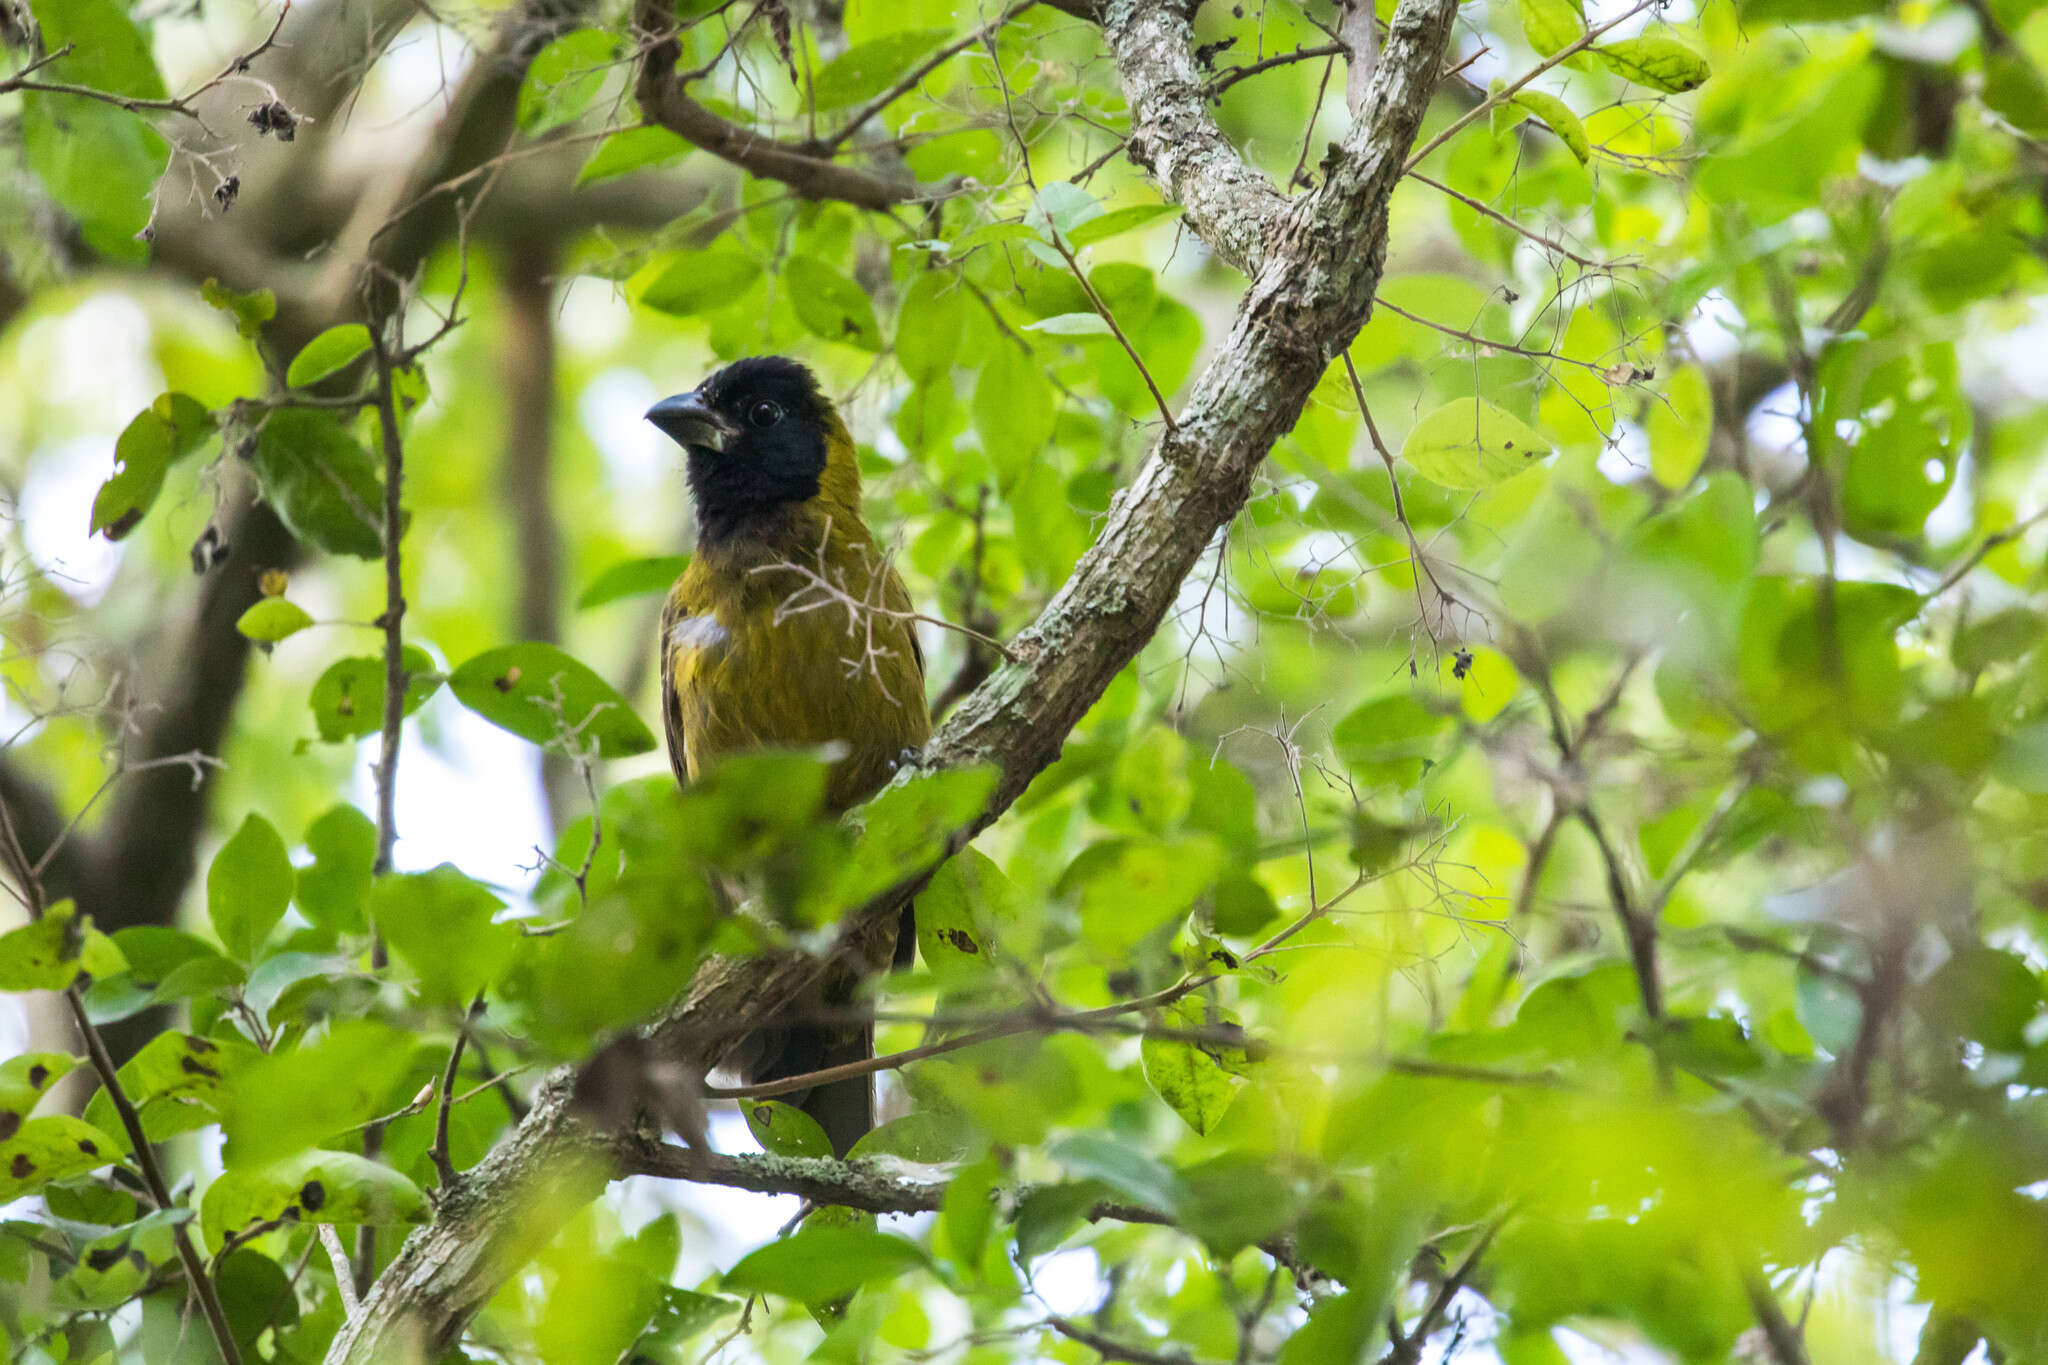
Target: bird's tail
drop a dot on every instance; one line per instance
(844, 1109)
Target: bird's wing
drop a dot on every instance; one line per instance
(672, 611)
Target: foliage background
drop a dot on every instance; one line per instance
(1654, 827)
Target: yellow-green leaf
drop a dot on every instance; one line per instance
(1470, 443)
(1559, 118)
(331, 351)
(1660, 63)
(1680, 427)
(273, 619)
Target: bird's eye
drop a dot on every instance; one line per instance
(764, 414)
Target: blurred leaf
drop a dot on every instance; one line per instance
(331, 888)
(273, 619)
(311, 1187)
(48, 954)
(1013, 411)
(1194, 1078)
(1680, 427)
(867, 69)
(633, 578)
(1116, 222)
(1551, 25)
(26, 1077)
(930, 323)
(249, 311)
(831, 305)
(818, 1265)
(631, 149)
(1470, 443)
(785, 1130)
(1658, 62)
(697, 282)
(1560, 119)
(541, 694)
(321, 481)
(1390, 738)
(56, 1147)
(348, 698)
(329, 353)
(1070, 325)
(1132, 1174)
(563, 78)
(440, 924)
(248, 887)
(167, 431)
(287, 1101)
(99, 162)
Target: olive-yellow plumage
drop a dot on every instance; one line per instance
(787, 628)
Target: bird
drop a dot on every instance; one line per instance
(789, 627)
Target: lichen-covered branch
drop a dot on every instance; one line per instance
(1316, 263)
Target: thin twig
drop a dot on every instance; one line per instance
(824, 146)
(1509, 91)
(198, 1283)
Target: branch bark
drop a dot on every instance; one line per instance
(1315, 264)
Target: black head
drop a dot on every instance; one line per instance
(757, 433)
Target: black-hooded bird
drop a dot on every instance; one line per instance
(788, 627)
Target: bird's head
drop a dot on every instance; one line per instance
(760, 435)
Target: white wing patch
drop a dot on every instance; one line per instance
(697, 632)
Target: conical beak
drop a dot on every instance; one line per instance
(689, 423)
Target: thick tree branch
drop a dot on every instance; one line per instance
(1230, 205)
(1316, 264)
(665, 100)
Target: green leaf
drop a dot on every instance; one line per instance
(168, 430)
(1551, 25)
(26, 1077)
(1013, 411)
(563, 78)
(250, 311)
(1065, 206)
(1390, 738)
(97, 161)
(1071, 325)
(178, 1081)
(321, 481)
(930, 324)
(1117, 222)
(927, 1136)
(1469, 443)
(329, 353)
(1660, 63)
(50, 953)
(1681, 427)
(1132, 1174)
(631, 149)
(820, 1264)
(541, 694)
(273, 619)
(287, 1101)
(701, 281)
(951, 937)
(440, 924)
(831, 305)
(633, 578)
(1558, 116)
(1195, 1079)
(53, 1148)
(867, 69)
(331, 889)
(248, 887)
(348, 698)
(785, 1130)
(311, 1187)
